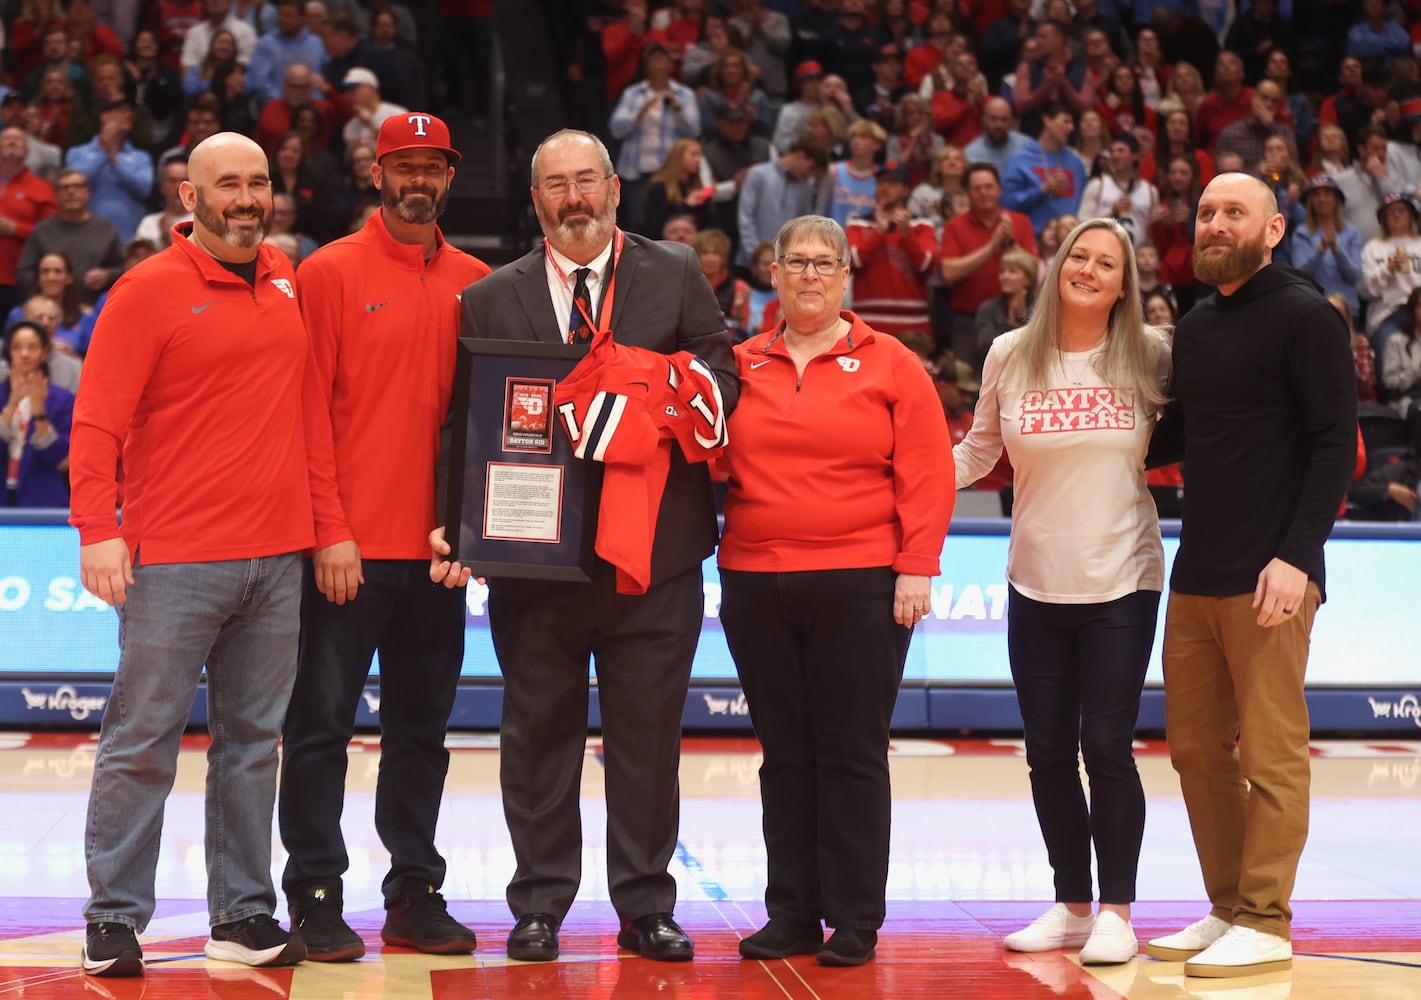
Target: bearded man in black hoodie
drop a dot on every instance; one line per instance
(1265, 417)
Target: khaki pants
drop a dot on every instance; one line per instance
(1238, 737)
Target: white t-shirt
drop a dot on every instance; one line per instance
(1389, 287)
(1084, 527)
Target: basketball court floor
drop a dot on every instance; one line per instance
(967, 867)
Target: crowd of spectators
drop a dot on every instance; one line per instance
(101, 102)
(959, 141)
(978, 130)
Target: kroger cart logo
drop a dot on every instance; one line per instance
(63, 699)
(726, 706)
(1407, 707)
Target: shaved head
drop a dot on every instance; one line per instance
(222, 152)
(1237, 227)
(1246, 186)
(228, 191)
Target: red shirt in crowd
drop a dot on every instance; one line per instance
(965, 233)
(24, 199)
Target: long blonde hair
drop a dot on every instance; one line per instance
(672, 174)
(1133, 349)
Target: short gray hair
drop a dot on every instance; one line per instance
(808, 227)
(570, 133)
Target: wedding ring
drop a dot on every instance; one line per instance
(1287, 611)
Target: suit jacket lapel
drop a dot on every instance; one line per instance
(626, 282)
(532, 290)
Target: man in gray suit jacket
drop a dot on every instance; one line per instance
(544, 632)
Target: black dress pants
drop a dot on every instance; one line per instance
(545, 634)
(820, 659)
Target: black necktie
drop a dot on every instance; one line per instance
(579, 329)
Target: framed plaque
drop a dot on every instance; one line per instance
(520, 504)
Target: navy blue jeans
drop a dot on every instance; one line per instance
(1079, 669)
(418, 629)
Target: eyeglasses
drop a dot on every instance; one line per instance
(586, 184)
(823, 266)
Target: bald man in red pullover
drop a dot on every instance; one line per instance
(194, 381)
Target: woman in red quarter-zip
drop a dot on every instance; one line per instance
(841, 489)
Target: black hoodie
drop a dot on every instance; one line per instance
(1265, 408)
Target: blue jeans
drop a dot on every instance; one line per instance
(241, 619)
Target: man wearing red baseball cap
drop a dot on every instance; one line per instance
(382, 311)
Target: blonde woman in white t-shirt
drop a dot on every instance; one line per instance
(1073, 397)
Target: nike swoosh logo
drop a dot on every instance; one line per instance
(757, 364)
(198, 309)
(376, 306)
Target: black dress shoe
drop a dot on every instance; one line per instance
(782, 937)
(657, 937)
(534, 938)
(848, 946)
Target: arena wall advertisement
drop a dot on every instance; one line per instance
(1366, 636)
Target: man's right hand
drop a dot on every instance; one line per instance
(105, 570)
(441, 570)
(338, 573)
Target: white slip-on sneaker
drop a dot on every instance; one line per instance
(1056, 928)
(1243, 951)
(1185, 944)
(1111, 942)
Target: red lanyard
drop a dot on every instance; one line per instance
(617, 239)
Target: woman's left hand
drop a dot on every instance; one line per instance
(912, 597)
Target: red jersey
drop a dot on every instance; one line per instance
(891, 274)
(195, 378)
(957, 118)
(624, 407)
(847, 466)
(920, 62)
(384, 329)
(24, 199)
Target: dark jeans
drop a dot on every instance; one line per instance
(1078, 670)
(820, 658)
(418, 629)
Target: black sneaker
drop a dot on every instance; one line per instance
(256, 940)
(419, 919)
(111, 950)
(315, 910)
(783, 937)
(848, 946)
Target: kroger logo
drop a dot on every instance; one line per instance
(63, 699)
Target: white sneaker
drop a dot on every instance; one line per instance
(1185, 944)
(1111, 942)
(1242, 951)
(1056, 928)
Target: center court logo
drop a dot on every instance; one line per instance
(1097, 408)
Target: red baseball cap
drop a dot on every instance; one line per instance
(414, 130)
